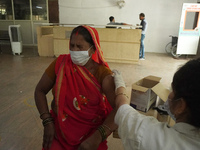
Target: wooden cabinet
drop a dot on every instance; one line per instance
(118, 45)
(45, 41)
(61, 39)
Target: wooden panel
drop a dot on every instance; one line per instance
(62, 32)
(61, 47)
(46, 48)
(45, 30)
(119, 52)
(119, 35)
(120, 45)
(45, 41)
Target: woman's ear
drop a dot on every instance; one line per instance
(91, 51)
(181, 107)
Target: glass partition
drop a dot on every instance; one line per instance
(6, 10)
(22, 9)
(39, 9)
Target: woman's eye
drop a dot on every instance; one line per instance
(71, 45)
(80, 47)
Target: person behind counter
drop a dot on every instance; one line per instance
(81, 117)
(112, 22)
(144, 25)
(146, 133)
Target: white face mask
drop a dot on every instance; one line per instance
(167, 108)
(80, 57)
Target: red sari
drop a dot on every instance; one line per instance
(81, 105)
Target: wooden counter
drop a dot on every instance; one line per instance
(118, 45)
(45, 41)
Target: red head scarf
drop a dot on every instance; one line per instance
(98, 55)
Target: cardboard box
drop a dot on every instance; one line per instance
(142, 94)
(162, 96)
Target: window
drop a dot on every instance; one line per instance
(39, 9)
(191, 20)
(6, 10)
(22, 9)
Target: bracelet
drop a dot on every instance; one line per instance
(121, 94)
(102, 132)
(47, 121)
(43, 114)
(107, 127)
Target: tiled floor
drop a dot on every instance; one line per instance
(20, 126)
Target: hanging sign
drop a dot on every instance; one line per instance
(189, 30)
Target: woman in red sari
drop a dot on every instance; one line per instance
(81, 83)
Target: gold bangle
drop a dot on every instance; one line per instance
(107, 127)
(102, 132)
(121, 94)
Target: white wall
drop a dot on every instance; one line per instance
(163, 16)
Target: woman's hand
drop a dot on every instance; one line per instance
(92, 142)
(49, 133)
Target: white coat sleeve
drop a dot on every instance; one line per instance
(130, 126)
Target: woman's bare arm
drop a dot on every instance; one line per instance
(108, 87)
(43, 87)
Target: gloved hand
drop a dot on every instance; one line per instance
(118, 79)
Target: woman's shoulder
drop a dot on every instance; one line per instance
(50, 71)
(102, 72)
(103, 68)
(52, 67)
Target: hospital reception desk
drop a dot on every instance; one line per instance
(118, 45)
